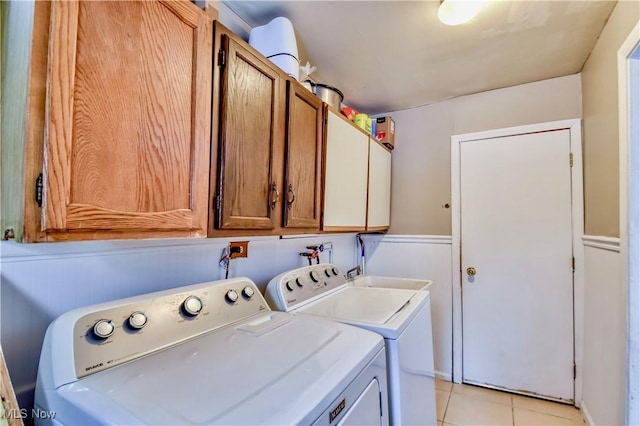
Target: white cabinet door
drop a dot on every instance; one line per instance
(346, 168)
(379, 206)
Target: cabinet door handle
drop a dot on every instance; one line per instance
(291, 199)
(275, 195)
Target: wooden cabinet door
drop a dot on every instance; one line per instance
(249, 188)
(346, 169)
(379, 199)
(127, 134)
(303, 158)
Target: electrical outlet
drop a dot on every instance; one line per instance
(239, 249)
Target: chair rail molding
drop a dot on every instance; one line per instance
(600, 242)
(418, 239)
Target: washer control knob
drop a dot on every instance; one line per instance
(248, 292)
(192, 306)
(327, 272)
(231, 296)
(335, 271)
(103, 328)
(299, 281)
(289, 285)
(315, 276)
(137, 320)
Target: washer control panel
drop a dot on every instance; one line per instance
(293, 288)
(111, 333)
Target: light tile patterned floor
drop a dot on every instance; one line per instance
(462, 405)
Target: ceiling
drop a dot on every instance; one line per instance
(392, 55)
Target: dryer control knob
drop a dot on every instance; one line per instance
(327, 272)
(300, 282)
(192, 306)
(248, 292)
(103, 328)
(315, 276)
(231, 296)
(289, 285)
(335, 271)
(137, 320)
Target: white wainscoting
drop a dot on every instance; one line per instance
(424, 257)
(605, 333)
(38, 282)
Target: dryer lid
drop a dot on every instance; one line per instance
(276, 369)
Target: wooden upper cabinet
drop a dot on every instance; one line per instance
(127, 123)
(303, 158)
(249, 169)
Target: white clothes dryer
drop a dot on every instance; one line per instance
(402, 317)
(208, 354)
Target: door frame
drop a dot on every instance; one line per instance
(577, 215)
(629, 143)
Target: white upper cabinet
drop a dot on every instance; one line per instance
(346, 173)
(379, 205)
(357, 192)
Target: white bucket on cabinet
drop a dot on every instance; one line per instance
(277, 41)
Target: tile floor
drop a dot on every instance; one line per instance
(471, 405)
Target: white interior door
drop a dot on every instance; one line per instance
(516, 231)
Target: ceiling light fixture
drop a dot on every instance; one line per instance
(456, 12)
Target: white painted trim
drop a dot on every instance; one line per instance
(604, 243)
(21, 252)
(586, 415)
(575, 131)
(577, 211)
(298, 236)
(10, 251)
(456, 276)
(411, 239)
(629, 148)
(517, 130)
(443, 376)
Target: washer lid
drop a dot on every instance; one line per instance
(275, 369)
(385, 311)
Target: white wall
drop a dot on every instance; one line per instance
(605, 333)
(421, 182)
(429, 257)
(231, 20)
(422, 257)
(421, 160)
(606, 299)
(38, 282)
(600, 106)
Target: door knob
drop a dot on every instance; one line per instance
(471, 271)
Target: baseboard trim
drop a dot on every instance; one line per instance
(601, 242)
(447, 377)
(585, 414)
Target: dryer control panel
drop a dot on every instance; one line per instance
(108, 334)
(294, 288)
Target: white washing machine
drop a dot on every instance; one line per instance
(402, 317)
(210, 353)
